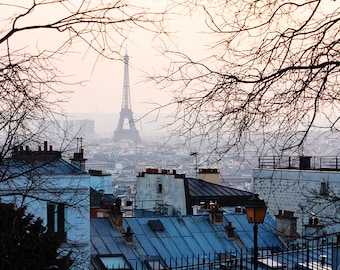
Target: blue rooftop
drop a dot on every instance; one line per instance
(173, 240)
(57, 166)
(42, 162)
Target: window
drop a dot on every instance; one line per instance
(324, 189)
(156, 225)
(155, 263)
(56, 213)
(116, 262)
(160, 188)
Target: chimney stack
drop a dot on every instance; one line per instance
(286, 225)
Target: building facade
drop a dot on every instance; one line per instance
(54, 190)
(171, 193)
(307, 186)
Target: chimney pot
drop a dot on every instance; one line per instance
(128, 235)
(229, 230)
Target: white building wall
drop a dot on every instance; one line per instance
(299, 191)
(149, 195)
(68, 189)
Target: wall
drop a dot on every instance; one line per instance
(73, 190)
(299, 191)
(102, 182)
(172, 193)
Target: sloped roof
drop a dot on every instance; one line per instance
(199, 190)
(244, 230)
(186, 237)
(107, 241)
(57, 166)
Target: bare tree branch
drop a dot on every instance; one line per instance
(273, 74)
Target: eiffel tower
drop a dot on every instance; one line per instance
(126, 131)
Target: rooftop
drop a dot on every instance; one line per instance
(321, 163)
(195, 242)
(44, 161)
(176, 238)
(200, 190)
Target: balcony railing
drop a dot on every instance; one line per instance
(300, 162)
(305, 257)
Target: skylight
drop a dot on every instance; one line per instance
(156, 225)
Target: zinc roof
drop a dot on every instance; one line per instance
(199, 190)
(177, 239)
(58, 166)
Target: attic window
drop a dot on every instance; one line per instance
(114, 262)
(156, 225)
(155, 265)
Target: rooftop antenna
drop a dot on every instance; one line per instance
(196, 168)
(81, 144)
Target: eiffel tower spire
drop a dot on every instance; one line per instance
(126, 130)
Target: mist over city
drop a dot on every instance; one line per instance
(169, 134)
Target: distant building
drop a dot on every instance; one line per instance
(79, 128)
(305, 186)
(58, 130)
(171, 193)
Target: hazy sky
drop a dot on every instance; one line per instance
(103, 90)
(103, 80)
(103, 86)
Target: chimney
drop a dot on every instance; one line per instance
(215, 214)
(313, 230)
(209, 175)
(128, 235)
(78, 160)
(113, 212)
(286, 225)
(229, 230)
